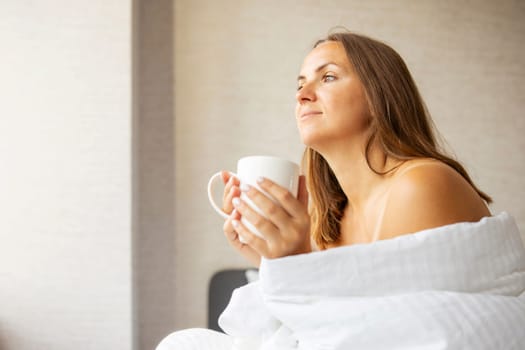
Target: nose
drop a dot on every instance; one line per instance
(306, 93)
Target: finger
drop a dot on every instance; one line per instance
(257, 243)
(229, 180)
(233, 192)
(261, 223)
(225, 176)
(282, 195)
(230, 232)
(228, 229)
(274, 212)
(233, 239)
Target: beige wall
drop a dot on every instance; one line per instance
(87, 180)
(236, 63)
(65, 179)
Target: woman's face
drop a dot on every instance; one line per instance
(331, 105)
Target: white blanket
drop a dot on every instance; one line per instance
(460, 286)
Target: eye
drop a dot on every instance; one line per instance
(299, 87)
(328, 77)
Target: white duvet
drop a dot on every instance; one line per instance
(460, 286)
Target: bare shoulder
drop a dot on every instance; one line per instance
(426, 194)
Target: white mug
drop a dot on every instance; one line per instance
(281, 171)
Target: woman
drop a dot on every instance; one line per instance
(373, 171)
(373, 168)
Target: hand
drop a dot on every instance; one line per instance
(231, 190)
(285, 225)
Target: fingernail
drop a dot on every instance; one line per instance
(245, 187)
(235, 223)
(260, 179)
(236, 202)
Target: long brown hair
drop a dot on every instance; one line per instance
(400, 124)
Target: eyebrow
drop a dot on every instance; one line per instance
(321, 67)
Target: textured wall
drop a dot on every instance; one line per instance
(236, 63)
(65, 179)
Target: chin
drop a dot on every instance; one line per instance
(309, 140)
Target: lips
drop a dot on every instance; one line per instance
(309, 114)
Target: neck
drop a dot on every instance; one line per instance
(357, 180)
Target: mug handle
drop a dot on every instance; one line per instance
(211, 184)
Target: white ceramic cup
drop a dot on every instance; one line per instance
(281, 171)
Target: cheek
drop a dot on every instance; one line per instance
(350, 116)
(354, 106)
